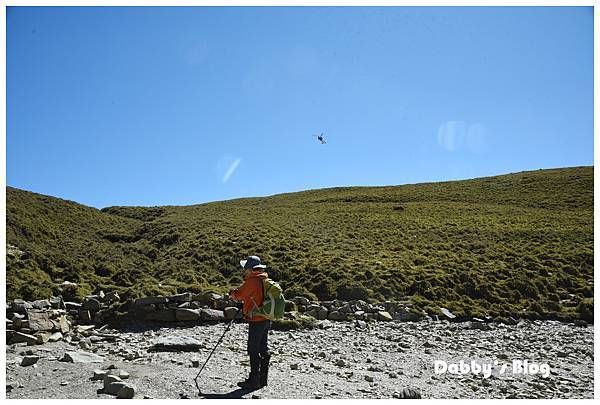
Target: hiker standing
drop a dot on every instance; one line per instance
(251, 293)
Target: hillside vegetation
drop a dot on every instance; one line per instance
(518, 244)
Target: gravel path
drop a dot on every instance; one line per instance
(337, 360)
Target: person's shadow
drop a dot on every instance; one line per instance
(235, 394)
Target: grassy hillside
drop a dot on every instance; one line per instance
(498, 245)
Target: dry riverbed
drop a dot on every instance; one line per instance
(335, 360)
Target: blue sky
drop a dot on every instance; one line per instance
(176, 106)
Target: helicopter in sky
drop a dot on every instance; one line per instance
(321, 138)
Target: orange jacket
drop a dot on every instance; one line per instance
(251, 292)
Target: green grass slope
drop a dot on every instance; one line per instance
(518, 244)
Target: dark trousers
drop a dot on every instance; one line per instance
(258, 332)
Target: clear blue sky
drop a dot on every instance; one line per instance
(177, 106)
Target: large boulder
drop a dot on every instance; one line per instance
(19, 337)
(163, 315)
(185, 314)
(337, 316)
(20, 306)
(211, 314)
(39, 321)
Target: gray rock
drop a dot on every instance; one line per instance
(29, 360)
(20, 306)
(360, 324)
(301, 300)
(56, 302)
(99, 374)
(185, 314)
(122, 374)
(114, 387)
(81, 357)
(230, 312)
(111, 296)
(322, 313)
(39, 321)
(179, 298)
(127, 391)
(85, 316)
(410, 393)
(207, 297)
(177, 344)
(478, 325)
(64, 324)
(384, 316)
(91, 304)
(447, 313)
(72, 305)
(41, 304)
(211, 314)
(42, 337)
(368, 378)
(20, 337)
(150, 300)
(406, 316)
(337, 316)
(163, 315)
(108, 380)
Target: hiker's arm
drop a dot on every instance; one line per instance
(240, 293)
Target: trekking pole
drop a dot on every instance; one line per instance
(213, 350)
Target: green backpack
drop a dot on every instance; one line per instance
(273, 305)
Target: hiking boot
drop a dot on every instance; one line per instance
(264, 369)
(253, 380)
(250, 383)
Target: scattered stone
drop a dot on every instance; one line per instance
(410, 393)
(127, 391)
(99, 374)
(384, 316)
(368, 378)
(360, 324)
(340, 363)
(29, 360)
(447, 313)
(81, 357)
(294, 366)
(177, 344)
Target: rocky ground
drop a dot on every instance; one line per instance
(334, 360)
